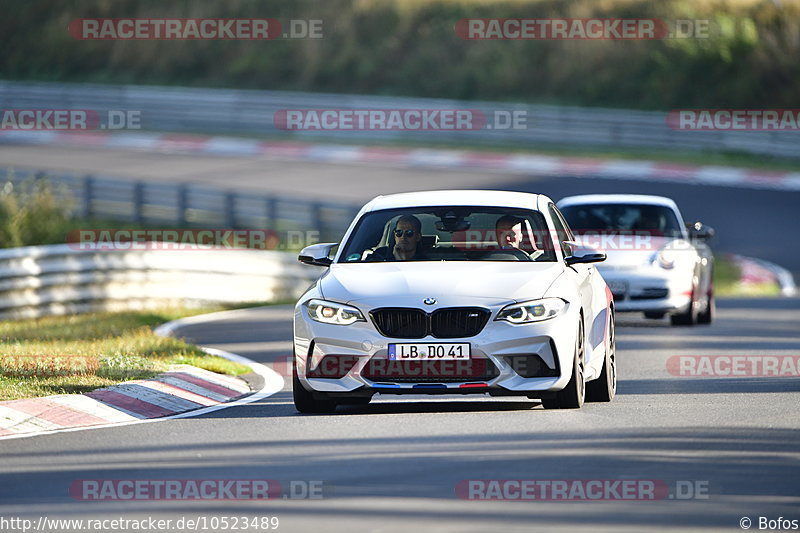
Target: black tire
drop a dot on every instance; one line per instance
(688, 317)
(707, 316)
(305, 402)
(604, 387)
(574, 394)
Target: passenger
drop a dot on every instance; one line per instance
(508, 231)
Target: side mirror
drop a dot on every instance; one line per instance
(590, 257)
(584, 253)
(317, 254)
(700, 231)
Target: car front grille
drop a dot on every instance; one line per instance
(650, 294)
(445, 323)
(401, 323)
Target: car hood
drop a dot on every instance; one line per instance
(450, 282)
(631, 251)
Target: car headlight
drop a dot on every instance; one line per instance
(533, 311)
(665, 258)
(333, 313)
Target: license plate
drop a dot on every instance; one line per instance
(618, 288)
(419, 351)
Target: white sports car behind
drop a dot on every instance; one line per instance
(656, 264)
(455, 292)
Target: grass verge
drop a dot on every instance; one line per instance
(79, 353)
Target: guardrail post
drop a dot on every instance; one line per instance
(183, 200)
(271, 213)
(138, 202)
(229, 209)
(88, 186)
(316, 220)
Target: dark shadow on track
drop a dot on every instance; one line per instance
(735, 464)
(679, 385)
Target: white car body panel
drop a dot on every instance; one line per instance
(378, 281)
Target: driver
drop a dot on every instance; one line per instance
(407, 236)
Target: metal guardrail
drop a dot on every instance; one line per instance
(250, 112)
(191, 205)
(57, 279)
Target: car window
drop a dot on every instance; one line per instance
(655, 220)
(448, 233)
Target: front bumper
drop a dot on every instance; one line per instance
(651, 290)
(502, 356)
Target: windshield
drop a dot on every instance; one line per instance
(654, 220)
(449, 233)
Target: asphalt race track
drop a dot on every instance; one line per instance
(394, 465)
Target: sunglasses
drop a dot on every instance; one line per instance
(399, 233)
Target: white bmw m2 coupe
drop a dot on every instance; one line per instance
(455, 292)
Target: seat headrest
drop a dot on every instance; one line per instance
(429, 241)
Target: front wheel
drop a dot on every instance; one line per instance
(573, 395)
(604, 388)
(688, 317)
(707, 316)
(305, 402)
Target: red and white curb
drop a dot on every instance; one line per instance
(511, 163)
(757, 271)
(182, 392)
